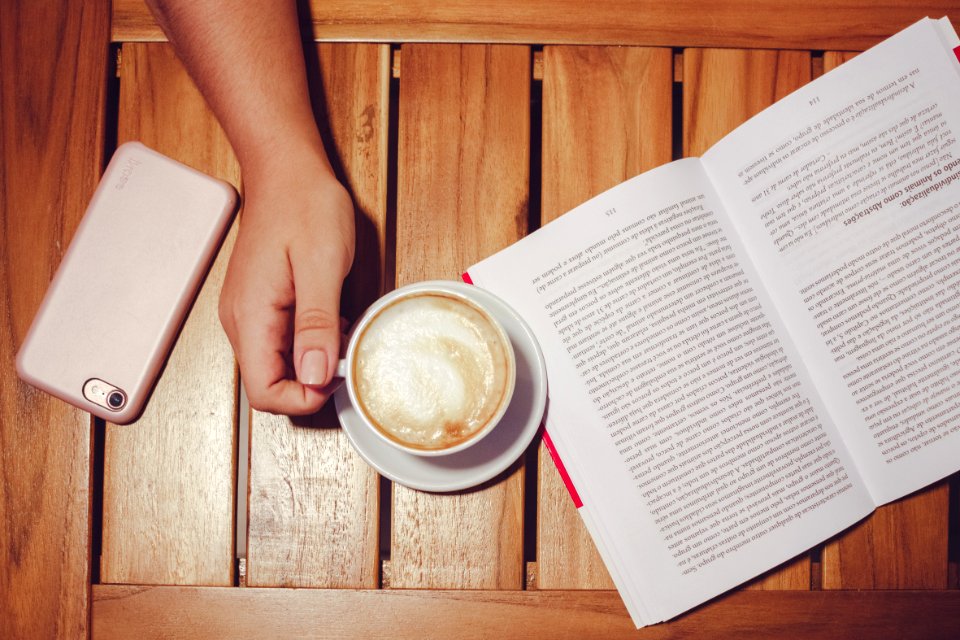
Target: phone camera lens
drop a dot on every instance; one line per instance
(116, 399)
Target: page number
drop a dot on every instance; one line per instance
(814, 100)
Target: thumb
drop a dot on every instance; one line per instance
(316, 338)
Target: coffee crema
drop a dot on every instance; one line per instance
(431, 371)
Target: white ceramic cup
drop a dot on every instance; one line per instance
(347, 368)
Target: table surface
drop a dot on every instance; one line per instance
(458, 127)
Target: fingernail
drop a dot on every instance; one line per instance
(313, 368)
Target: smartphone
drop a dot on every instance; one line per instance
(123, 288)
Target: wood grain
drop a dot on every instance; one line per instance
(902, 545)
(778, 24)
(462, 185)
(625, 131)
(833, 59)
(793, 574)
(724, 87)
(721, 89)
(169, 478)
(210, 612)
(53, 71)
(313, 507)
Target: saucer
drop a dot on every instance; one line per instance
(497, 450)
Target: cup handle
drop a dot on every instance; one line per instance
(341, 369)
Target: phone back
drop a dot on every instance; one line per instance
(126, 282)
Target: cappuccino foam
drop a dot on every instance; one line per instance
(431, 371)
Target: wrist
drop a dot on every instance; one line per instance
(297, 190)
(280, 160)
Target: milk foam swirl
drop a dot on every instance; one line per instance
(431, 371)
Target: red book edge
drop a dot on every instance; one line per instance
(956, 52)
(547, 441)
(577, 502)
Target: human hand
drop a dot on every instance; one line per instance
(280, 304)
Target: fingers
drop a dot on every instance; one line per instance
(290, 398)
(260, 334)
(265, 368)
(276, 379)
(318, 274)
(268, 375)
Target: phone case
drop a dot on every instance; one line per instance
(130, 274)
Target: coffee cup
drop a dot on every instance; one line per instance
(429, 369)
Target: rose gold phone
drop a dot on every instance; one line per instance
(135, 263)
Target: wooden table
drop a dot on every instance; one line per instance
(452, 151)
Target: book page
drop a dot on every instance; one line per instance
(696, 441)
(847, 194)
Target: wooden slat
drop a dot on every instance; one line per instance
(723, 23)
(953, 541)
(833, 59)
(313, 504)
(53, 70)
(168, 504)
(795, 574)
(625, 131)
(721, 89)
(209, 612)
(902, 545)
(464, 128)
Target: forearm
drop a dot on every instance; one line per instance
(280, 299)
(247, 60)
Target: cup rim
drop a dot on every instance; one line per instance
(449, 288)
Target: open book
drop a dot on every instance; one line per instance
(749, 351)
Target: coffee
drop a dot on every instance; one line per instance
(431, 371)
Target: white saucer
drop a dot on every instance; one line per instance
(497, 450)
